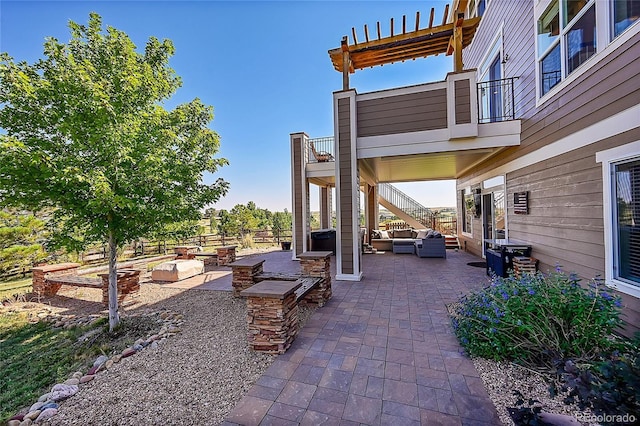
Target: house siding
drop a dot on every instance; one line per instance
(402, 113)
(346, 207)
(463, 102)
(565, 224)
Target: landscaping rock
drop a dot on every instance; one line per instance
(108, 364)
(128, 352)
(72, 382)
(44, 397)
(32, 415)
(100, 360)
(46, 414)
(13, 423)
(50, 405)
(77, 375)
(26, 422)
(93, 370)
(116, 358)
(38, 405)
(558, 419)
(62, 391)
(87, 378)
(19, 417)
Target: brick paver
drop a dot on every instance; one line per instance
(381, 352)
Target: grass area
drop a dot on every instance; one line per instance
(35, 356)
(14, 288)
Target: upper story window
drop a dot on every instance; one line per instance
(625, 13)
(569, 32)
(476, 8)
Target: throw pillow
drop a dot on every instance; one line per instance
(384, 235)
(402, 233)
(422, 233)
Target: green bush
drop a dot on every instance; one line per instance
(537, 319)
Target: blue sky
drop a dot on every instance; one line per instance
(263, 65)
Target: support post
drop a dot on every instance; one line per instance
(299, 194)
(346, 63)
(325, 207)
(348, 250)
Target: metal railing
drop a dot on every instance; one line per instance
(405, 203)
(321, 150)
(496, 100)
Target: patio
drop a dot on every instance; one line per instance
(382, 351)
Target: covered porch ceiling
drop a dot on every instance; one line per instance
(422, 167)
(410, 168)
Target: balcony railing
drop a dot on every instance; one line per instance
(321, 150)
(496, 101)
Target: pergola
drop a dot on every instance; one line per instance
(448, 38)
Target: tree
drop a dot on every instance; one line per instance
(21, 240)
(227, 225)
(281, 221)
(244, 216)
(86, 133)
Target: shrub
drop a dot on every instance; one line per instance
(609, 386)
(537, 318)
(247, 241)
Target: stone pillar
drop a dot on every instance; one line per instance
(348, 252)
(128, 284)
(243, 274)
(325, 207)
(39, 276)
(185, 252)
(226, 255)
(272, 315)
(317, 264)
(299, 194)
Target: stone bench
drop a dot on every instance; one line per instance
(272, 315)
(47, 280)
(226, 255)
(209, 258)
(313, 264)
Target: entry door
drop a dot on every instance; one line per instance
(495, 104)
(493, 216)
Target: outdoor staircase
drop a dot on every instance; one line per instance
(406, 208)
(409, 210)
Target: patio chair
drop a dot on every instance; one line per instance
(322, 156)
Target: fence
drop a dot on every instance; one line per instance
(206, 241)
(444, 224)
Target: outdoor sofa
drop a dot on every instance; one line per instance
(424, 243)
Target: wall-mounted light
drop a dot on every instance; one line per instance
(505, 59)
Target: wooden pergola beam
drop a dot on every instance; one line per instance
(411, 45)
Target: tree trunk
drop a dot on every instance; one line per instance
(114, 319)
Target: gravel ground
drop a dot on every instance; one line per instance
(194, 377)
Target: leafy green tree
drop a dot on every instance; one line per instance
(281, 222)
(227, 225)
(21, 240)
(244, 216)
(86, 133)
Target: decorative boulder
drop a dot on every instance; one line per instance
(176, 270)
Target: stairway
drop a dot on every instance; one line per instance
(406, 208)
(412, 212)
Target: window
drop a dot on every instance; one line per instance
(625, 13)
(626, 221)
(468, 209)
(621, 204)
(570, 32)
(476, 8)
(563, 48)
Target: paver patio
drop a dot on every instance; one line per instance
(381, 352)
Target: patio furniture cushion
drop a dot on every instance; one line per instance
(431, 247)
(176, 270)
(403, 245)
